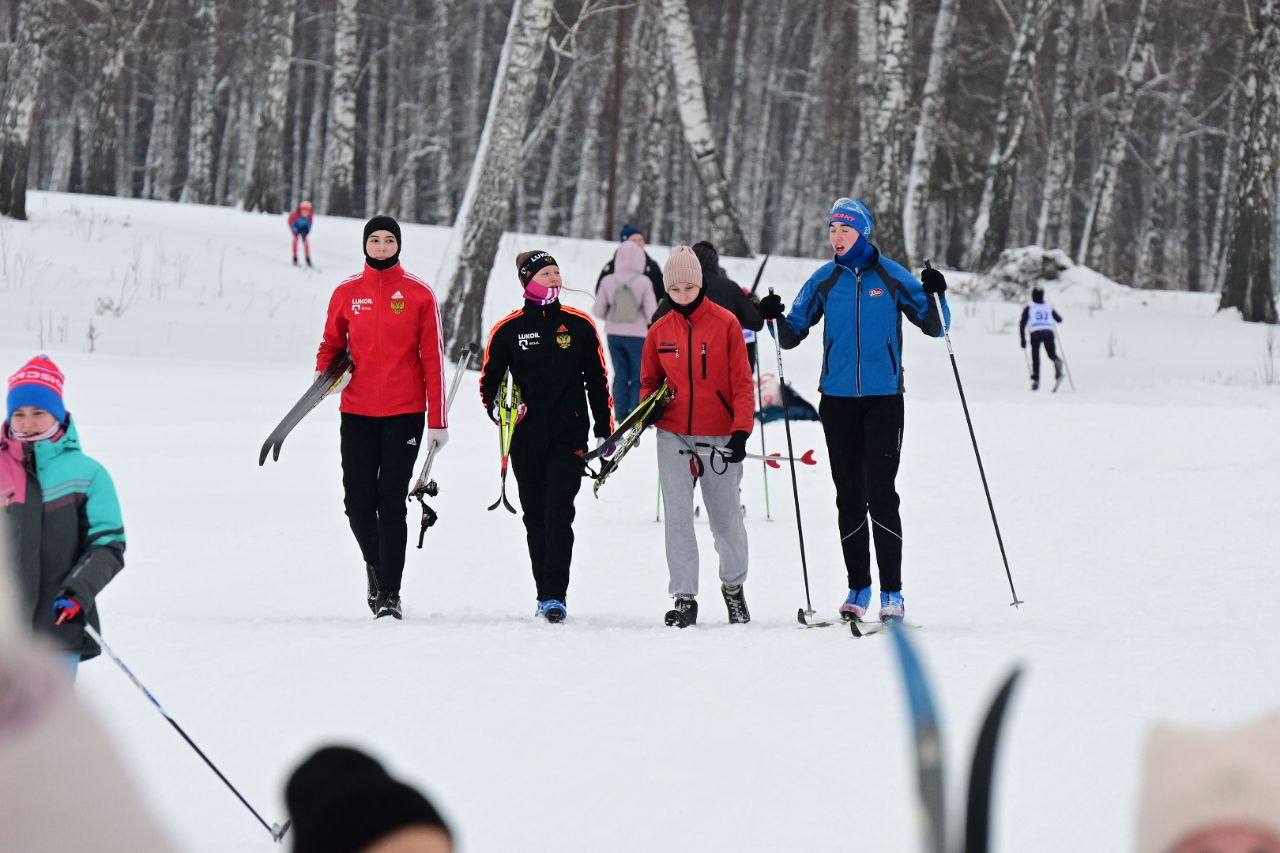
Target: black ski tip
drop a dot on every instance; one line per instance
(854, 629)
(977, 823)
(262, 455)
(278, 830)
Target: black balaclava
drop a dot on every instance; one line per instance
(1037, 294)
(381, 223)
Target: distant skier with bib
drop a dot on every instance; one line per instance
(555, 359)
(697, 348)
(300, 221)
(1042, 320)
(862, 297)
(389, 321)
(625, 301)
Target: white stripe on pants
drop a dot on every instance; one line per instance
(720, 496)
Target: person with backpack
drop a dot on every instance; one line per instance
(389, 321)
(1042, 319)
(698, 350)
(553, 355)
(632, 234)
(861, 297)
(300, 221)
(625, 302)
(66, 531)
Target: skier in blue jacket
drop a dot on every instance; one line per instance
(862, 298)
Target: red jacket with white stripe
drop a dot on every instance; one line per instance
(390, 322)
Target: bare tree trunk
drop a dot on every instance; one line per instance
(26, 66)
(738, 94)
(1248, 284)
(313, 171)
(1095, 241)
(267, 188)
(443, 122)
(803, 132)
(583, 221)
(645, 206)
(1052, 228)
(690, 101)
(870, 89)
(488, 197)
(198, 187)
(991, 225)
(890, 121)
(340, 138)
(100, 161)
(551, 183)
(157, 178)
(615, 130)
(921, 174)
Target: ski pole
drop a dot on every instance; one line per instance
(277, 831)
(946, 333)
(1065, 363)
(803, 615)
(423, 487)
(1026, 356)
(764, 467)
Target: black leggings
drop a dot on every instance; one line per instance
(549, 475)
(1043, 338)
(864, 441)
(377, 464)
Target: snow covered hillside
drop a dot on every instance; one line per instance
(1139, 514)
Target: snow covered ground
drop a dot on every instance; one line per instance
(1139, 514)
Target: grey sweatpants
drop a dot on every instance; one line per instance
(720, 495)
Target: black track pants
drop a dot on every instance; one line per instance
(549, 475)
(377, 465)
(864, 440)
(1042, 338)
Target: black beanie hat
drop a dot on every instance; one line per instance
(342, 801)
(708, 257)
(529, 263)
(381, 223)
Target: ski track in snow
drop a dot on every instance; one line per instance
(1139, 516)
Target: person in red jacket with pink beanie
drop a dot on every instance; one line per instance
(699, 351)
(389, 320)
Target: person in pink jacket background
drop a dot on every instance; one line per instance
(625, 301)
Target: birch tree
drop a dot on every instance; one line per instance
(340, 138)
(31, 46)
(1248, 281)
(198, 186)
(691, 103)
(890, 123)
(487, 200)
(267, 186)
(1052, 227)
(1095, 240)
(991, 225)
(921, 172)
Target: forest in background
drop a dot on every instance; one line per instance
(1132, 134)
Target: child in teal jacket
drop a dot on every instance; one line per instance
(66, 533)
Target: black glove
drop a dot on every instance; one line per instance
(934, 282)
(1024, 343)
(771, 307)
(737, 447)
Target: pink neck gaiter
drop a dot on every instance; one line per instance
(540, 293)
(13, 474)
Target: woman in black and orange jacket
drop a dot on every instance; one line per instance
(554, 355)
(699, 351)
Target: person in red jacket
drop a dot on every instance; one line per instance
(300, 222)
(698, 349)
(389, 320)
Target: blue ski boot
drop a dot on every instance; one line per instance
(553, 610)
(892, 607)
(855, 607)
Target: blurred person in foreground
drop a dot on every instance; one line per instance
(342, 801)
(1212, 792)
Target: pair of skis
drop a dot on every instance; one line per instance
(627, 434)
(424, 486)
(324, 385)
(930, 755)
(510, 413)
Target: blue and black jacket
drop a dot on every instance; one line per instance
(862, 309)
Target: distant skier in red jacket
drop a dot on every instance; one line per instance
(389, 320)
(300, 222)
(698, 349)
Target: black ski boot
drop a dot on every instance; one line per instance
(388, 605)
(684, 614)
(735, 600)
(372, 592)
(295, 262)
(1035, 384)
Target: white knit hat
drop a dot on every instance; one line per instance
(1196, 779)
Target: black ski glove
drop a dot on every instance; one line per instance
(737, 447)
(1024, 343)
(771, 307)
(935, 284)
